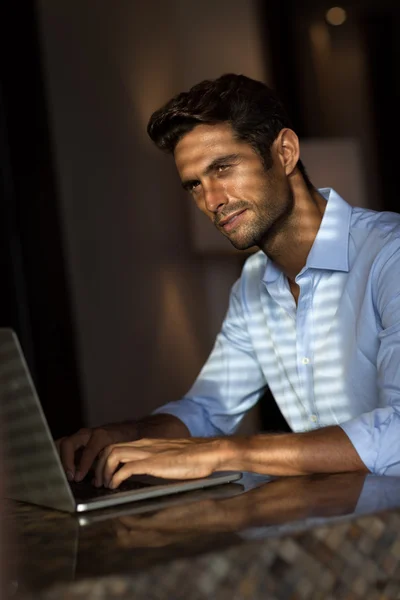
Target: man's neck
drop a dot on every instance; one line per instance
(290, 248)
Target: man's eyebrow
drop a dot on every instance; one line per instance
(217, 162)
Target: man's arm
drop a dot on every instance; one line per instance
(326, 450)
(231, 381)
(376, 434)
(214, 406)
(161, 425)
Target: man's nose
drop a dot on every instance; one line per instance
(215, 197)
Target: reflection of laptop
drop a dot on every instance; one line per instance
(33, 468)
(217, 492)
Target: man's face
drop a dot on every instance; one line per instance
(229, 183)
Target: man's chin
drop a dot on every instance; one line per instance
(241, 244)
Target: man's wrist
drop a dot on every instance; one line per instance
(252, 453)
(235, 453)
(161, 425)
(123, 432)
(152, 426)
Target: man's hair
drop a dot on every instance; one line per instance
(253, 110)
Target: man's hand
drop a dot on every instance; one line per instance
(171, 459)
(92, 441)
(88, 443)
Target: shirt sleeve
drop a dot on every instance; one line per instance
(229, 384)
(376, 434)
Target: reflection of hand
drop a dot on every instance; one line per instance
(280, 501)
(171, 459)
(172, 525)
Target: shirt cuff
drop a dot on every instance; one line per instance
(358, 431)
(192, 415)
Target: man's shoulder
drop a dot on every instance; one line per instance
(380, 222)
(375, 233)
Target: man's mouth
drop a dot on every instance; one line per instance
(231, 221)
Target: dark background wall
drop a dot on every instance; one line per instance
(342, 80)
(34, 296)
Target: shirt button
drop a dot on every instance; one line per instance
(314, 418)
(305, 361)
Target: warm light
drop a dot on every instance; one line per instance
(336, 16)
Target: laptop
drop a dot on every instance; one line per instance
(34, 472)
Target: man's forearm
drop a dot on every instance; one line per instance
(326, 450)
(153, 426)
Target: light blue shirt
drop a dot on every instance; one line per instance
(332, 360)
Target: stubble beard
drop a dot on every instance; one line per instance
(268, 222)
(248, 236)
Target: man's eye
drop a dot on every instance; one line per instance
(221, 168)
(193, 186)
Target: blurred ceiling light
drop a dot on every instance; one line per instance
(336, 15)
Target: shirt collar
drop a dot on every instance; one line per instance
(330, 249)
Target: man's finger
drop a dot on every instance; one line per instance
(95, 445)
(67, 447)
(137, 467)
(117, 455)
(58, 443)
(111, 462)
(99, 471)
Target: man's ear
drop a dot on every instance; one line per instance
(287, 148)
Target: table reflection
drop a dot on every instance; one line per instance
(53, 547)
(281, 501)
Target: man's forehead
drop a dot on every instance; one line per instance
(203, 144)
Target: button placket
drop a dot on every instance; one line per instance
(304, 351)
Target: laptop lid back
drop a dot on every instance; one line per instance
(32, 466)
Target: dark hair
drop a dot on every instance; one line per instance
(253, 110)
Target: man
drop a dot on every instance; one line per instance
(315, 314)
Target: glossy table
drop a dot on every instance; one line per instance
(327, 537)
